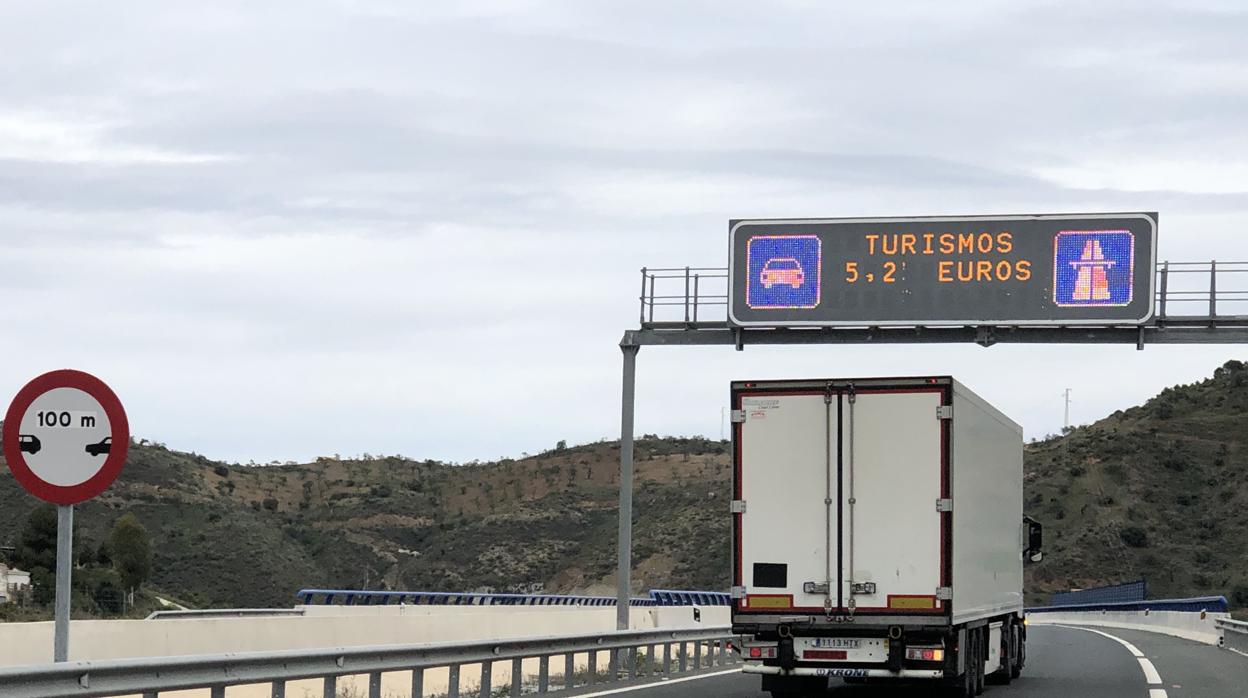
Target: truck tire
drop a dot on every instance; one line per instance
(964, 687)
(981, 656)
(1020, 656)
(1004, 672)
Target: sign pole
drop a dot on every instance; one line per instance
(65, 440)
(623, 616)
(64, 567)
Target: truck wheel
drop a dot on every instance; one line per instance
(963, 685)
(1003, 674)
(971, 653)
(981, 656)
(1020, 657)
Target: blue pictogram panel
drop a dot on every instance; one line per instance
(783, 271)
(1093, 268)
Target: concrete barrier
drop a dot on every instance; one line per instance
(329, 626)
(1192, 625)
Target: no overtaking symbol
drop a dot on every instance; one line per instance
(66, 437)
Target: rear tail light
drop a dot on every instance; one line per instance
(761, 652)
(925, 654)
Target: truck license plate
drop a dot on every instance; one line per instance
(836, 643)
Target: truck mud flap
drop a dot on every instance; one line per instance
(786, 654)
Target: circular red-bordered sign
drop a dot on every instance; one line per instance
(77, 463)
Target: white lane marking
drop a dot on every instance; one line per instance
(658, 684)
(1150, 671)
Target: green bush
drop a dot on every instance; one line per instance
(1239, 596)
(1134, 536)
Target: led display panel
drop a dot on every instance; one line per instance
(1048, 269)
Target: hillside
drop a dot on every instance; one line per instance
(229, 535)
(1157, 491)
(1153, 491)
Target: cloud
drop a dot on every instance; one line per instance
(304, 228)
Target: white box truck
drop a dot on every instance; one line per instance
(878, 534)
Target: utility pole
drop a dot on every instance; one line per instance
(1066, 422)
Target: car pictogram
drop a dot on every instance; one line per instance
(782, 271)
(30, 443)
(101, 448)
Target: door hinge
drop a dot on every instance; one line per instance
(737, 592)
(738, 506)
(944, 593)
(944, 504)
(738, 416)
(944, 412)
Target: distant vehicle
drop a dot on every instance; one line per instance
(878, 534)
(99, 449)
(785, 271)
(29, 443)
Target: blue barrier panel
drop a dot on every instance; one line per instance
(1113, 593)
(349, 597)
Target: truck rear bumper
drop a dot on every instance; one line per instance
(844, 672)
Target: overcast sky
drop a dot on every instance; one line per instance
(288, 229)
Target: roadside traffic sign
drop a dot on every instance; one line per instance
(66, 437)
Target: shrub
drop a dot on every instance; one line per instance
(1239, 595)
(1134, 536)
(221, 469)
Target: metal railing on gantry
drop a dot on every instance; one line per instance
(1196, 302)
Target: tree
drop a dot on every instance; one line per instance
(36, 549)
(132, 551)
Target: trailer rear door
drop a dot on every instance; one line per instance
(841, 485)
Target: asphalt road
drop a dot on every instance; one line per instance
(1061, 663)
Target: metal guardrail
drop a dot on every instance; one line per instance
(1187, 293)
(1233, 635)
(349, 597)
(1209, 604)
(667, 652)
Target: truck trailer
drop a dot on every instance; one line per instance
(878, 534)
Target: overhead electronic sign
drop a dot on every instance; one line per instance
(1067, 269)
